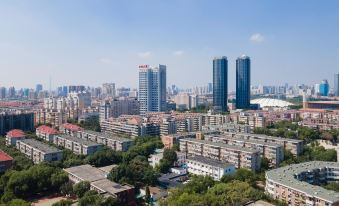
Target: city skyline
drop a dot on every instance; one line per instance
(46, 39)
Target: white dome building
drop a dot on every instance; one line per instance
(268, 102)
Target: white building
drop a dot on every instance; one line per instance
(200, 165)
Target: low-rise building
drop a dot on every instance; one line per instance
(113, 141)
(154, 159)
(170, 140)
(14, 135)
(5, 161)
(99, 182)
(46, 133)
(70, 129)
(38, 151)
(241, 157)
(200, 165)
(77, 145)
(293, 145)
(272, 151)
(298, 184)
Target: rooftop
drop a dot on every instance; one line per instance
(285, 176)
(4, 156)
(219, 144)
(110, 187)
(79, 140)
(40, 146)
(268, 102)
(209, 161)
(108, 136)
(16, 133)
(47, 129)
(72, 127)
(86, 173)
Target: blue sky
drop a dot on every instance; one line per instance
(91, 42)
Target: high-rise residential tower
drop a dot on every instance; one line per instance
(336, 84)
(220, 67)
(152, 88)
(243, 82)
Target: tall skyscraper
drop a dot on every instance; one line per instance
(243, 82)
(336, 84)
(152, 88)
(324, 88)
(220, 67)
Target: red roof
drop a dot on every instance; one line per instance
(16, 133)
(4, 156)
(47, 129)
(72, 127)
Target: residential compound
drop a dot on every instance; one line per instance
(273, 152)
(241, 157)
(293, 145)
(320, 119)
(112, 141)
(200, 165)
(118, 106)
(38, 151)
(77, 145)
(130, 126)
(297, 184)
(56, 110)
(99, 182)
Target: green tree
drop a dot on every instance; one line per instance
(147, 195)
(81, 188)
(63, 203)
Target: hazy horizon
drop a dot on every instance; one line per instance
(92, 42)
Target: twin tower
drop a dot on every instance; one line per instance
(220, 83)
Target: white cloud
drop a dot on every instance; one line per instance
(178, 53)
(257, 38)
(145, 55)
(105, 60)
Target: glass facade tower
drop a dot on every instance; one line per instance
(220, 70)
(243, 82)
(152, 89)
(336, 84)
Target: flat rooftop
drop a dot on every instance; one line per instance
(79, 140)
(264, 137)
(40, 146)
(86, 173)
(285, 176)
(253, 141)
(108, 136)
(111, 187)
(219, 144)
(209, 161)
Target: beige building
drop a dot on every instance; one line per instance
(77, 145)
(241, 157)
(38, 151)
(297, 184)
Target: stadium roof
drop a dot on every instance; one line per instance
(268, 102)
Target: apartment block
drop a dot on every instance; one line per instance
(77, 145)
(38, 151)
(46, 133)
(112, 141)
(70, 129)
(200, 165)
(294, 145)
(299, 184)
(272, 151)
(241, 157)
(14, 135)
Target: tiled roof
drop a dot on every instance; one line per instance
(47, 129)
(72, 127)
(4, 156)
(16, 133)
